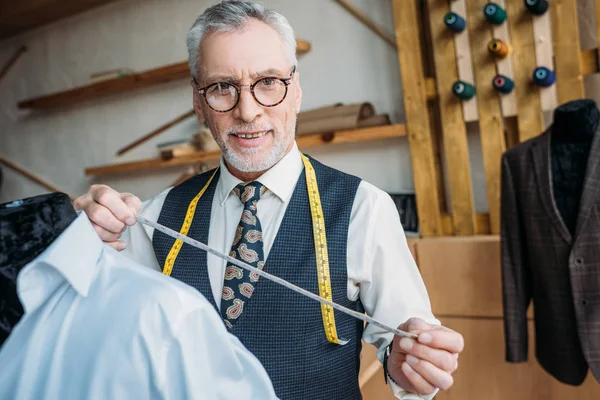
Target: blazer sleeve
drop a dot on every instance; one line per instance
(516, 278)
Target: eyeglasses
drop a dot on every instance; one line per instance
(223, 96)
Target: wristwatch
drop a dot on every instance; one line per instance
(386, 354)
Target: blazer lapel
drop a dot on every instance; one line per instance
(591, 183)
(543, 174)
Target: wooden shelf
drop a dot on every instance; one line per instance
(304, 142)
(120, 85)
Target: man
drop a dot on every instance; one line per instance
(246, 87)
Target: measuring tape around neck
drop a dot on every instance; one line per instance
(320, 242)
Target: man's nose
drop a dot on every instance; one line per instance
(247, 109)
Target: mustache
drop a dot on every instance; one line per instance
(248, 128)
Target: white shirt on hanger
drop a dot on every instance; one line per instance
(97, 325)
(381, 269)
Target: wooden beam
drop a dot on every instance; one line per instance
(140, 80)
(362, 17)
(453, 127)
(9, 64)
(504, 66)
(565, 35)
(31, 176)
(464, 62)
(529, 112)
(417, 118)
(490, 113)
(304, 142)
(155, 132)
(19, 16)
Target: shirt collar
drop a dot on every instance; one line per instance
(280, 179)
(74, 255)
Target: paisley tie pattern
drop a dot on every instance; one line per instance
(247, 246)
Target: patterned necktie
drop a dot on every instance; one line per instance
(247, 246)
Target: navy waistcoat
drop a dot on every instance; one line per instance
(283, 329)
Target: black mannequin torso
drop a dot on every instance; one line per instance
(27, 228)
(572, 132)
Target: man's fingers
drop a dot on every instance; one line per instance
(133, 202)
(118, 245)
(442, 359)
(111, 199)
(415, 325)
(442, 338)
(104, 219)
(105, 235)
(421, 385)
(430, 373)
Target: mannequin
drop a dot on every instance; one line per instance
(573, 129)
(27, 227)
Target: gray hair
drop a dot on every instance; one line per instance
(231, 15)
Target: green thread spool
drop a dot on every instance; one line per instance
(494, 14)
(463, 90)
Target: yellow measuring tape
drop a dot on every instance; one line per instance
(320, 240)
(185, 227)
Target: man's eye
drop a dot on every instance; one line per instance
(268, 82)
(221, 89)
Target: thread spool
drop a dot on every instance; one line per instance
(503, 84)
(537, 7)
(498, 48)
(544, 77)
(494, 14)
(463, 90)
(455, 22)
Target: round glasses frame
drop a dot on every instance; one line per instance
(238, 88)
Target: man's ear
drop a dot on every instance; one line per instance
(298, 91)
(197, 103)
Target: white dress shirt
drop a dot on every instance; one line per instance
(381, 269)
(99, 326)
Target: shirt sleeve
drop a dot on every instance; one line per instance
(382, 271)
(139, 237)
(204, 361)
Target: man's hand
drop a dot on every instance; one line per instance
(110, 212)
(423, 365)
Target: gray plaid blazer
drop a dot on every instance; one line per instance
(543, 262)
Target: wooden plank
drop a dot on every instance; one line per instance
(362, 17)
(490, 113)
(19, 16)
(482, 224)
(544, 54)
(121, 85)
(31, 176)
(589, 60)
(417, 118)
(453, 126)
(483, 369)
(304, 142)
(155, 132)
(9, 64)
(446, 262)
(565, 36)
(530, 119)
(464, 62)
(504, 67)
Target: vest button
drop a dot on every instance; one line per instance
(584, 302)
(579, 261)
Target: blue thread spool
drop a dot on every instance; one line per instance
(503, 84)
(494, 14)
(455, 22)
(463, 90)
(544, 77)
(537, 7)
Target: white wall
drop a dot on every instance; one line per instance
(348, 63)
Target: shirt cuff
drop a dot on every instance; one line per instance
(402, 394)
